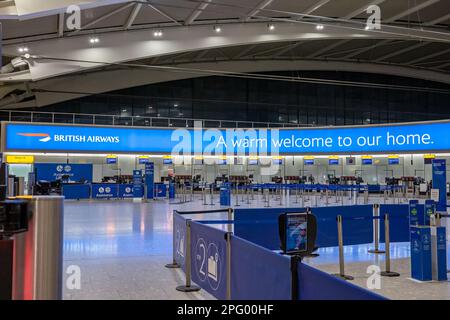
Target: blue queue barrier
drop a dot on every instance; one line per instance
(179, 239)
(260, 226)
(258, 273)
(76, 191)
(314, 284)
(208, 252)
(398, 222)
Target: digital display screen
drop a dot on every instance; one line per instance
(167, 161)
(296, 232)
(333, 162)
(111, 160)
(366, 162)
(144, 160)
(394, 161)
(277, 161)
(309, 162)
(253, 162)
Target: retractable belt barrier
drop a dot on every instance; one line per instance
(230, 267)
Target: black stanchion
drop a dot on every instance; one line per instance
(295, 260)
(388, 272)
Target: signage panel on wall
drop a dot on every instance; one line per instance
(19, 159)
(55, 171)
(418, 137)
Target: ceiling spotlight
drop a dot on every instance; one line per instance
(22, 49)
(319, 27)
(175, 105)
(217, 29)
(271, 26)
(27, 56)
(158, 33)
(367, 28)
(94, 40)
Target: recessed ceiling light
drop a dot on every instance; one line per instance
(271, 26)
(158, 33)
(94, 40)
(217, 29)
(22, 49)
(319, 27)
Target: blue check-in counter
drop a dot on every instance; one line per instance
(76, 190)
(98, 191)
(105, 190)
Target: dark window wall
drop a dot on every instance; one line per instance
(238, 99)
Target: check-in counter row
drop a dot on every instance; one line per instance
(99, 191)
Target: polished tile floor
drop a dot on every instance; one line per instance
(121, 248)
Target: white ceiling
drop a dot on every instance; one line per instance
(414, 37)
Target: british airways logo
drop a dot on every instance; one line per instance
(43, 137)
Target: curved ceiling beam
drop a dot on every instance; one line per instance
(123, 46)
(104, 81)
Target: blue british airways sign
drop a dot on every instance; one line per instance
(418, 137)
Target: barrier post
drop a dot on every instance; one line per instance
(188, 287)
(281, 195)
(174, 264)
(341, 273)
(228, 289)
(376, 229)
(388, 272)
(211, 195)
(268, 199)
(204, 195)
(236, 193)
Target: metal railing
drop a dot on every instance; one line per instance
(118, 120)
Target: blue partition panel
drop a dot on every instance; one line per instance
(208, 248)
(398, 222)
(357, 225)
(260, 225)
(314, 284)
(258, 273)
(179, 229)
(76, 191)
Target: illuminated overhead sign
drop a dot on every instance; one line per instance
(426, 137)
(19, 159)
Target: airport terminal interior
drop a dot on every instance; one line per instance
(224, 150)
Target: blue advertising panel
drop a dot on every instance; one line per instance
(367, 162)
(421, 267)
(208, 247)
(138, 188)
(440, 254)
(393, 161)
(149, 179)
(416, 213)
(440, 183)
(430, 209)
(309, 162)
(54, 171)
(144, 160)
(179, 249)
(417, 137)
